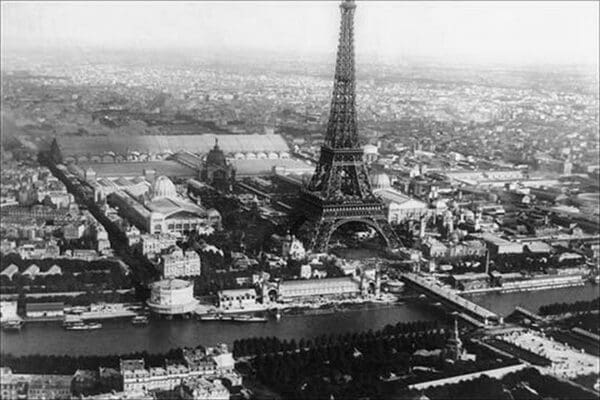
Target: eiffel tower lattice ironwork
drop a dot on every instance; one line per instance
(339, 190)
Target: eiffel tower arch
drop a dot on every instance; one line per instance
(339, 190)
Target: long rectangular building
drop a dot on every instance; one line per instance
(152, 147)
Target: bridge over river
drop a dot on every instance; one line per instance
(468, 310)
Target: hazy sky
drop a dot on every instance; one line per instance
(487, 31)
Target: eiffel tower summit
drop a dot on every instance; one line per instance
(339, 191)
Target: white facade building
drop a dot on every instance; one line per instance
(203, 389)
(162, 210)
(155, 244)
(237, 298)
(175, 263)
(210, 363)
(399, 207)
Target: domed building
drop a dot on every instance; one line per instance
(380, 181)
(216, 171)
(170, 212)
(163, 187)
(399, 207)
(370, 153)
(162, 209)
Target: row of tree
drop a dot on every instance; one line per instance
(112, 278)
(578, 306)
(266, 345)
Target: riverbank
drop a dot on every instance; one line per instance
(533, 284)
(317, 303)
(121, 336)
(505, 303)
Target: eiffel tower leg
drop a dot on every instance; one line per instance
(321, 235)
(388, 233)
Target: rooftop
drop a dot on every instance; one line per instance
(319, 282)
(265, 166)
(128, 169)
(55, 306)
(171, 284)
(163, 144)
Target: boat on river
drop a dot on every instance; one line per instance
(277, 314)
(232, 318)
(82, 326)
(140, 320)
(15, 325)
(394, 286)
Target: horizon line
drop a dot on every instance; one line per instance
(224, 52)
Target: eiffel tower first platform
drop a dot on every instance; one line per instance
(339, 190)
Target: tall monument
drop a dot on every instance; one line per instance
(339, 190)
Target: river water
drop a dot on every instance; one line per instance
(504, 304)
(120, 336)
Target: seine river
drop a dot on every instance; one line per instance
(120, 337)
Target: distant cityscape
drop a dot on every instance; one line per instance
(187, 227)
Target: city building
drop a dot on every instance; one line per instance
(399, 207)
(139, 395)
(162, 211)
(486, 178)
(74, 231)
(176, 263)
(55, 310)
(83, 254)
(141, 148)
(348, 286)
(497, 245)
(137, 378)
(211, 363)
(13, 386)
(200, 388)
(31, 271)
(38, 249)
(288, 246)
(172, 297)
(58, 199)
(371, 153)
(155, 243)
(217, 171)
(49, 387)
(237, 298)
(133, 236)
(471, 281)
(8, 311)
(433, 248)
(10, 271)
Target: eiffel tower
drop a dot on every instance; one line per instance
(339, 190)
